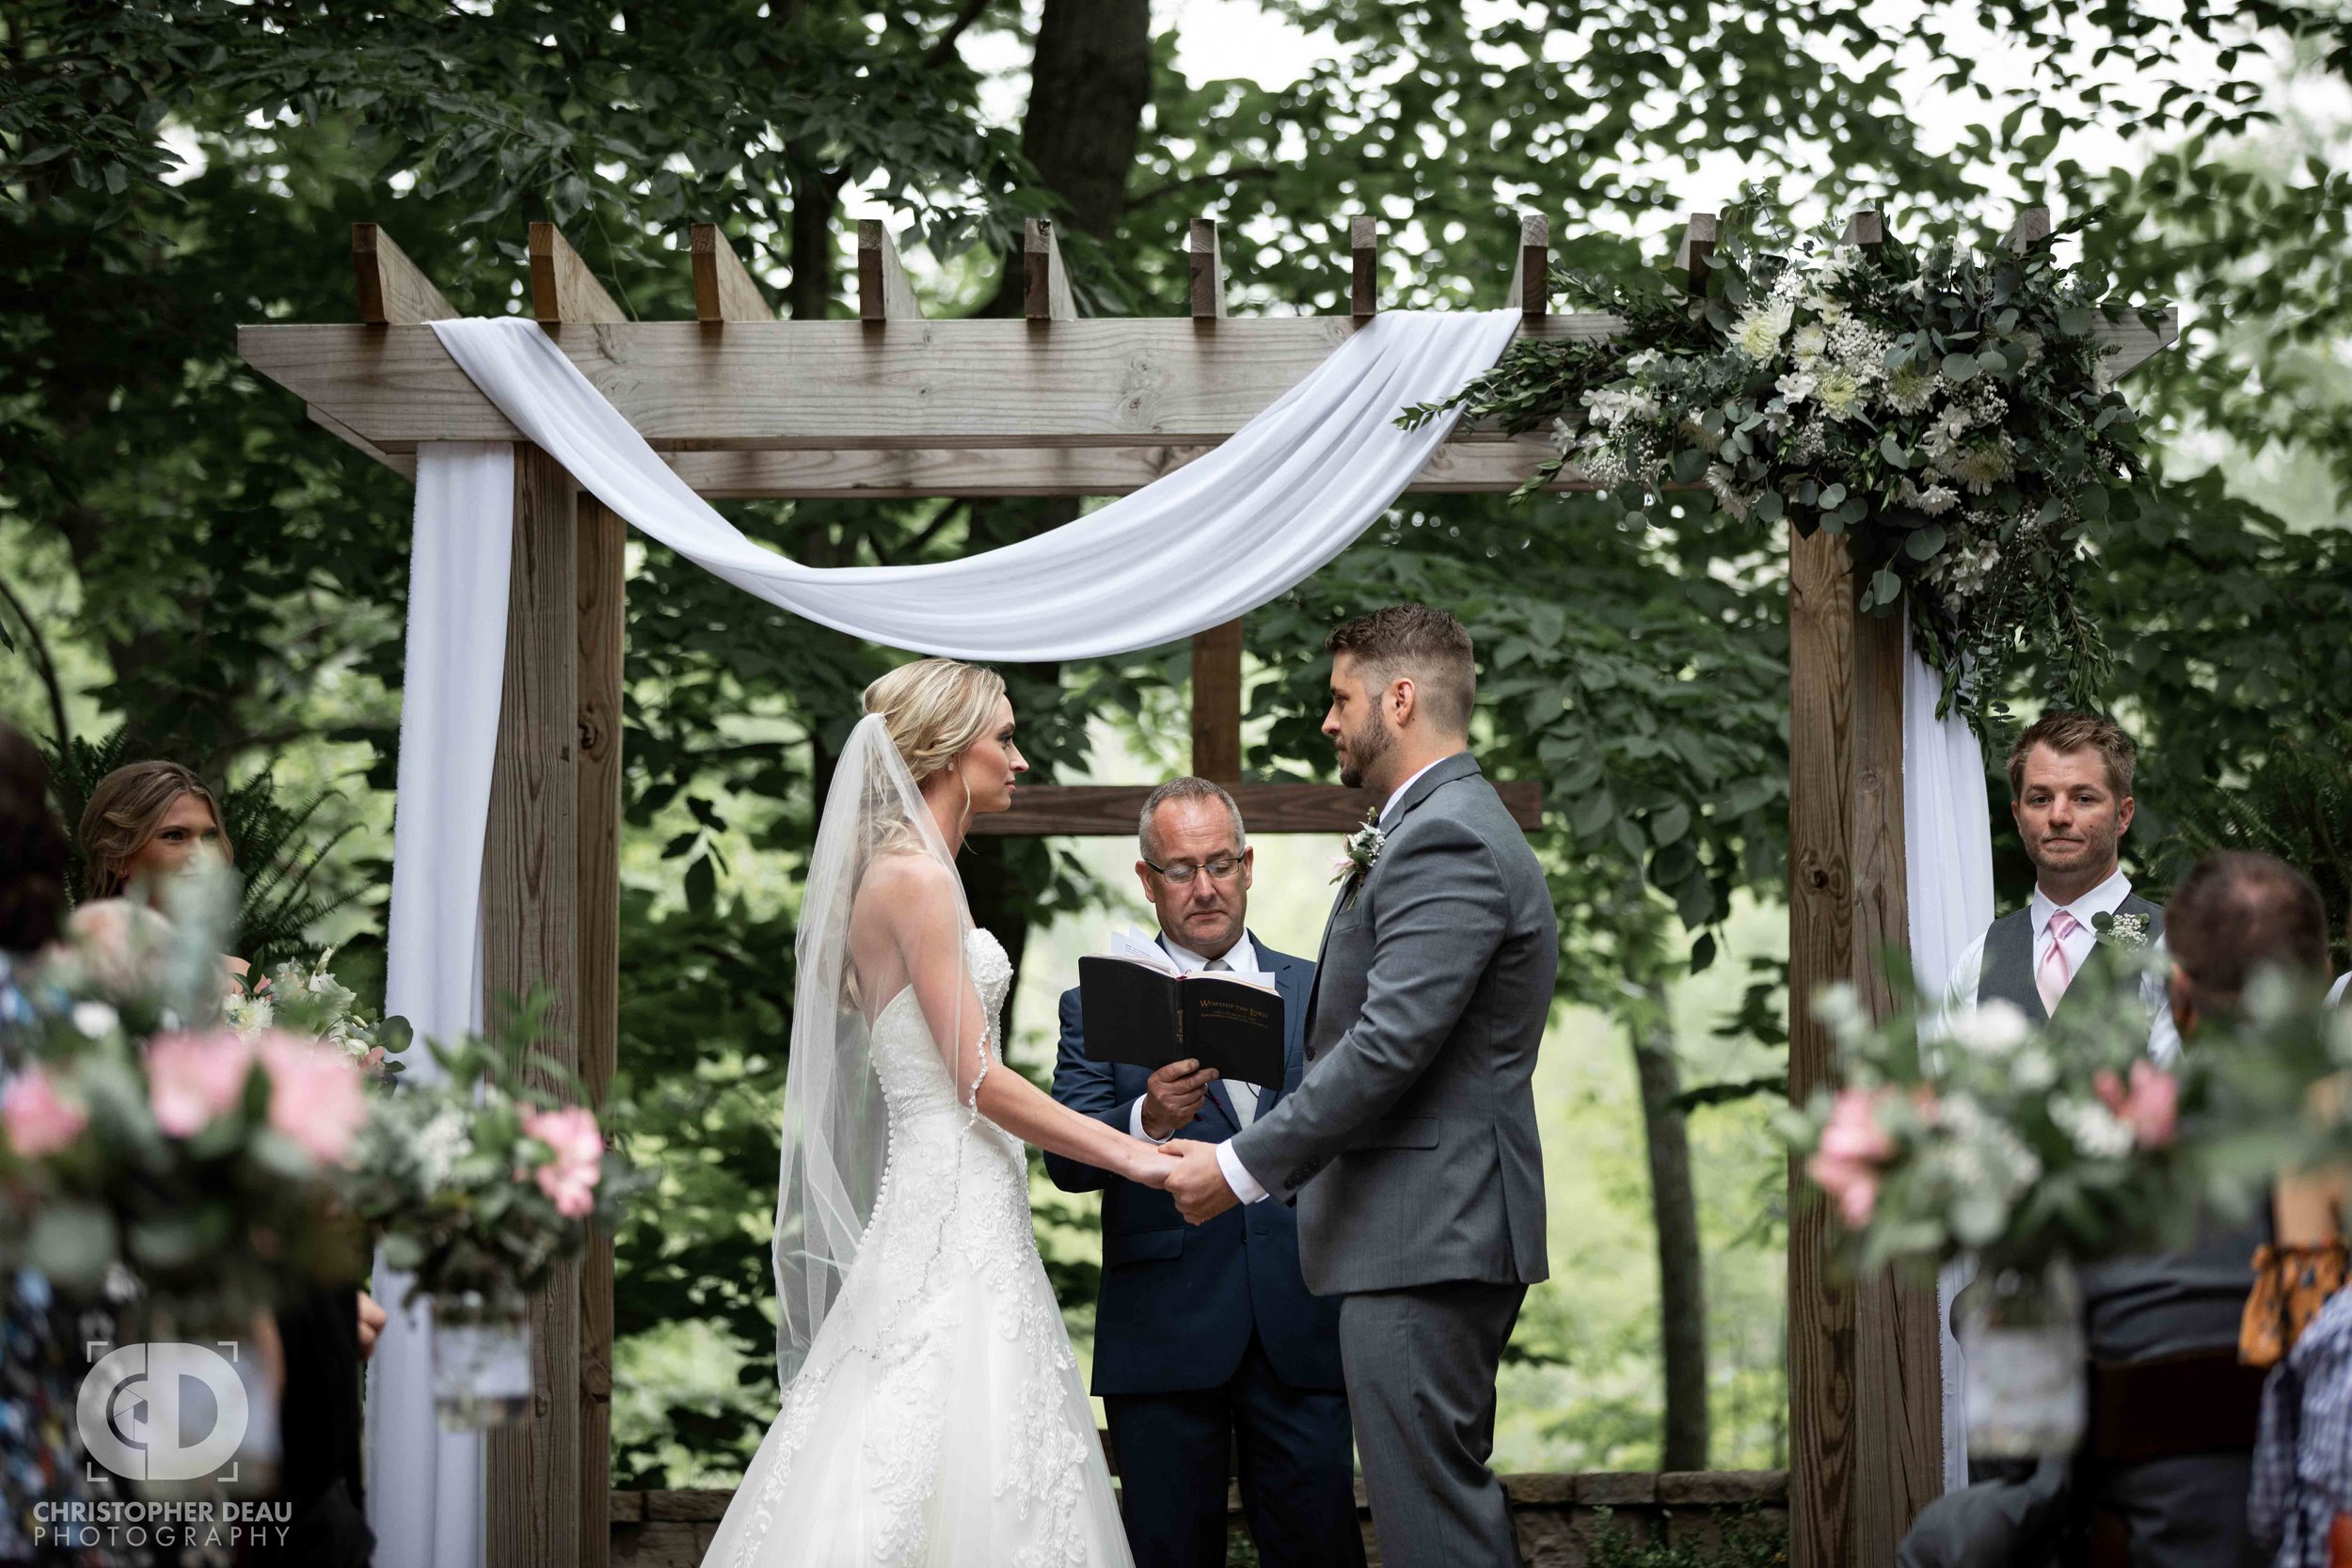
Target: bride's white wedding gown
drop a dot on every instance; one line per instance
(938, 1420)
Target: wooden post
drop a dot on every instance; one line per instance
(1216, 703)
(1531, 276)
(724, 292)
(529, 890)
(1698, 243)
(1208, 272)
(563, 288)
(1363, 244)
(393, 291)
(1865, 1387)
(883, 293)
(600, 623)
(1046, 285)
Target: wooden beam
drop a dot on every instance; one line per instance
(1363, 243)
(1531, 276)
(600, 625)
(1048, 293)
(1110, 811)
(883, 293)
(1866, 229)
(1468, 464)
(824, 385)
(1208, 272)
(402, 463)
(1698, 243)
(1216, 703)
(724, 292)
(393, 291)
(563, 288)
(2032, 224)
(529, 893)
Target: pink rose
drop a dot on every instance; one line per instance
(39, 1120)
(317, 1097)
(569, 1179)
(193, 1078)
(1853, 1148)
(2152, 1106)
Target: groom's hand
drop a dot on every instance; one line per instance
(1197, 1182)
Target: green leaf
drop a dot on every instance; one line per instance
(1886, 587)
(1924, 541)
(1832, 498)
(2075, 320)
(1959, 367)
(2091, 501)
(1769, 507)
(1667, 826)
(1892, 450)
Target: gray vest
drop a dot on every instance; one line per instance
(2007, 969)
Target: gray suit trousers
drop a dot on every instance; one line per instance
(1420, 1382)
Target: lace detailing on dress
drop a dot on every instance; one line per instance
(945, 1353)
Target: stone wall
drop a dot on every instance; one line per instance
(1556, 1514)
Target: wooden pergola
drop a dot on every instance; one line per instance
(894, 405)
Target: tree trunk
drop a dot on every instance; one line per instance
(1681, 1287)
(1089, 79)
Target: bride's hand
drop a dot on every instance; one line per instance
(1148, 1164)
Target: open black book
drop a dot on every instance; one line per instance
(1148, 1017)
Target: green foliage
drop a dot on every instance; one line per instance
(1945, 411)
(2296, 806)
(1741, 1538)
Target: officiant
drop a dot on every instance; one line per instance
(1208, 1348)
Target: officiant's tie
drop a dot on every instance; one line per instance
(1244, 1095)
(2054, 971)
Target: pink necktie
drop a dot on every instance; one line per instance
(2053, 972)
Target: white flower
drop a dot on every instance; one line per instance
(1995, 1028)
(439, 1144)
(1840, 392)
(1810, 443)
(249, 1015)
(1797, 386)
(1982, 466)
(1911, 387)
(2031, 344)
(95, 1020)
(1721, 480)
(2096, 1133)
(1642, 361)
(1811, 344)
(2033, 1069)
(1757, 334)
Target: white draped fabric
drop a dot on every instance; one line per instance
(1221, 536)
(424, 1485)
(1947, 852)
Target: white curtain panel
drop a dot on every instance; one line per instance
(1219, 536)
(1947, 852)
(425, 1485)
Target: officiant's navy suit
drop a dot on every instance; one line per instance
(1207, 1343)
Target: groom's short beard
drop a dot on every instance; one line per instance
(1365, 747)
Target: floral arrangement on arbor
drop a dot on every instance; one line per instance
(143, 1138)
(1974, 1132)
(1948, 411)
(481, 1183)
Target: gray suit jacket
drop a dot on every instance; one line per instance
(1417, 1109)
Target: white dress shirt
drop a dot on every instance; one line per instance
(1246, 1187)
(1243, 959)
(2164, 1039)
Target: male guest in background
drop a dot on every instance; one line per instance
(2164, 1472)
(1206, 1343)
(2070, 782)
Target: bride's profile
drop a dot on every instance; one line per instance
(932, 1412)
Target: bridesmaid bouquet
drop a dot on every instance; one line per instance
(306, 998)
(1972, 1131)
(141, 1132)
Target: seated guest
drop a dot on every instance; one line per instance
(1207, 1346)
(2164, 1474)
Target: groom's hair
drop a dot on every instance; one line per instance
(2237, 912)
(1428, 645)
(2069, 733)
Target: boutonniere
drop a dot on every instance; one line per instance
(2128, 932)
(1364, 849)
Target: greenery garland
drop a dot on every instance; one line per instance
(1949, 412)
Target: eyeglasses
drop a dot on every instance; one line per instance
(1219, 870)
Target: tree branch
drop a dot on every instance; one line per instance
(1226, 177)
(43, 662)
(942, 48)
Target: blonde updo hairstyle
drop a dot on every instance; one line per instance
(935, 711)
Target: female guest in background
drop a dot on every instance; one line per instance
(40, 1371)
(146, 824)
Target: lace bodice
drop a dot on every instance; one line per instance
(913, 1072)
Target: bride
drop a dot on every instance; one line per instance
(932, 1412)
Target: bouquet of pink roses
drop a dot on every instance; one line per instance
(140, 1132)
(1968, 1130)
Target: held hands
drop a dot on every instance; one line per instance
(1197, 1182)
(1174, 1096)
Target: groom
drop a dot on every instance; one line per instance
(1410, 1146)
